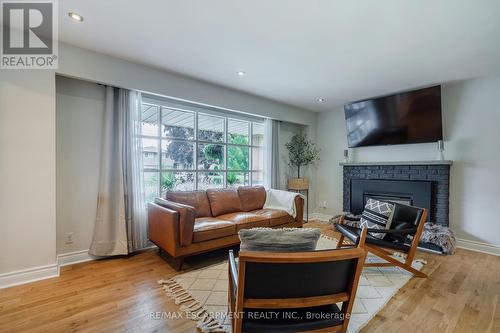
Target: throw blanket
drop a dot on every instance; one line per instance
(349, 219)
(439, 235)
(282, 200)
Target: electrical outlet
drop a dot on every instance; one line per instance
(69, 238)
(323, 204)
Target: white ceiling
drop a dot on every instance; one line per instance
(296, 51)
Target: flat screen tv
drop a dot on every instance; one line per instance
(408, 117)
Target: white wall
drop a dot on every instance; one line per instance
(79, 119)
(331, 139)
(27, 170)
(471, 119)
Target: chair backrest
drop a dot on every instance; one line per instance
(300, 275)
(305, 279)
(406, 217)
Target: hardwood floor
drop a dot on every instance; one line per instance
(461, 294)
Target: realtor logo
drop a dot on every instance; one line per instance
(29, 34)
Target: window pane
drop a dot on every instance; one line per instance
(177, 154)
(235, 179)
(257, 134)
(210, 180)
(257, 159)
(257, 178)
(177, 124)
(210, 128)
(237, 132)
(178, 181)
(149, 121)
(150, 154)
(210, 156)
(237, 158)
(150, 186)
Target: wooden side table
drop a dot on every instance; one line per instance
(306, 191)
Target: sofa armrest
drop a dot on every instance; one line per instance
(187, 215)
(299, 207)
(163, 227)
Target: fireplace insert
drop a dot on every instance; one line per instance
(414, 193)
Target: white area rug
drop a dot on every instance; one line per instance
(202, 293)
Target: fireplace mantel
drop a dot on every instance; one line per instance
(435, 162)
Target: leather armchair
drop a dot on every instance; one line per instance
(294, 292)
(407, 221)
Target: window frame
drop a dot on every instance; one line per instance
(162, 105)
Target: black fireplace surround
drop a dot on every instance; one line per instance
(425, 186)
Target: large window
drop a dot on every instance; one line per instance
(187, 150)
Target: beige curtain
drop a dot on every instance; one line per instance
(120, 226)
(271, 154)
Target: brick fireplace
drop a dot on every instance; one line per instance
(425, 184)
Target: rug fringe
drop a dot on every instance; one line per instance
(191, 307)
(329, 238)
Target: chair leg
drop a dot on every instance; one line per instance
(416, 272)
(178, 262)
(406, 265)
(237, 323)
(340, 242)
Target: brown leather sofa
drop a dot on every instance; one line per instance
(192, 222)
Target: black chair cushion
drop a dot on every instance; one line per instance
(291, 320)
(399, 238)
(352, 233)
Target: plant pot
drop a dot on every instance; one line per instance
(298, 184)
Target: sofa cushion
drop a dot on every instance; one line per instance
(244, 220)
(275, 216)
(197, 199)
(252, 197)
(279, 240)
(224, 201)
(207, 228)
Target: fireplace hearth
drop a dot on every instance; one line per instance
(422, 184)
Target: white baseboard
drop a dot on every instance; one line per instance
(71, 258)
(478, 246)
(44, 272)
(28, 275)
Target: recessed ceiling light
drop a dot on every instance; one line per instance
(321, 100)
(241, 73)
(75, 16)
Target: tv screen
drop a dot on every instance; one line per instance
(408, 117)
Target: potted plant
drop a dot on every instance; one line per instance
(301, 152)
